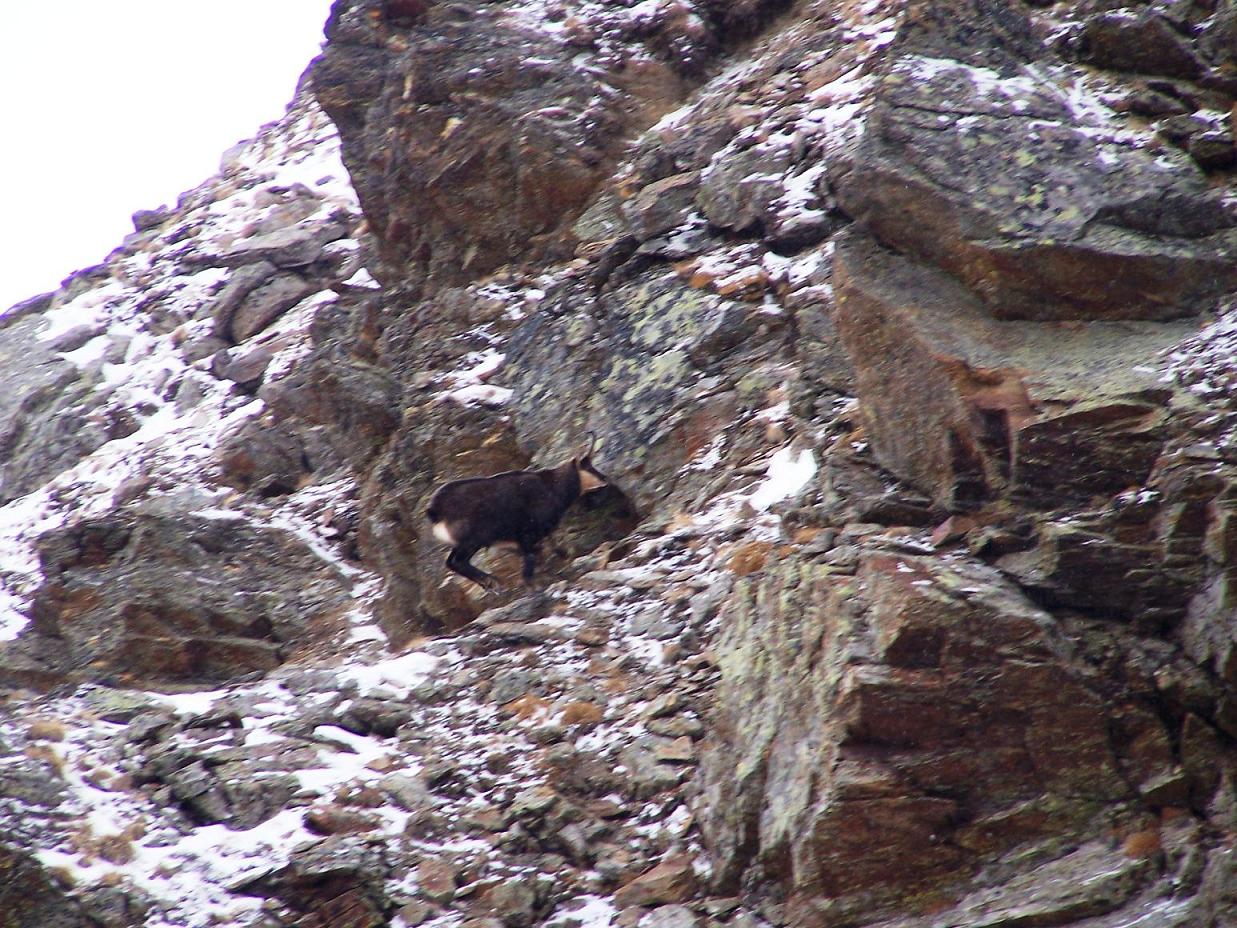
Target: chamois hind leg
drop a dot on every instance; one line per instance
(530, 563)
(459, 560)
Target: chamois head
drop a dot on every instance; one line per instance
(590, 477)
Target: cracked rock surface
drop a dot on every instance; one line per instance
(906, 334)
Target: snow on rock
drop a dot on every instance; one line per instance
(151, 313)
(789, 473)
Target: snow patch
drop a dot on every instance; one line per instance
(789, 472)
(396, 676)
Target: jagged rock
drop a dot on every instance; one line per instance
(513, 902)
(332, 884)
(1085, 570)
(900, 731)
(510, 684)
(530, 122)
(1026, 715)
(1214, 151)
(244, 364)
(131, 594)
(1218, 38)
(966, 407)
(244, 281)
(672, 880)
(627, 389)
(295, 246)
(1142, 42)
(728, 326)
(1079, 226)
(436, 880)
(409, 793)
(648, 771)
(661, 206)
(263, 457)
(52, 414)
(262, 305)
(29, 896)
(358, 404)
(1090, 881)
(670, 916)
(381, 717)
(739, 189)
(147, 219)
(333, 819)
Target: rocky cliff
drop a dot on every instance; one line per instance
(906, 331)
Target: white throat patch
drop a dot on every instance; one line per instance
(589, 481)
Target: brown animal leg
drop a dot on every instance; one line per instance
(459, 561)
(530, 565)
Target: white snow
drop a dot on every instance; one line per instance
(584, 912)
(789, 472)
(191, 703)
(480, 394)
(397, 675)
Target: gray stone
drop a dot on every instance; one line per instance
(725, 328)
(242, 282)
(244, 365)
(136, 592)
(1091, 881)
(266, 303)
(514, 902)
(670, 916)
(647, 775)
(1141, 42)
(295, 246)
(407, 792)
(510, 684)
(661, 206)
(1154, 241)
(739, 189)
(119, 706)
(381, 717)
(265, 458)
(51, 414)
(147, 219)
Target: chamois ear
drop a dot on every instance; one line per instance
(588, 451)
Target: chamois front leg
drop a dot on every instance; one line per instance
(459, 560)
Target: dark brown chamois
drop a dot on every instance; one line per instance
(520, 506)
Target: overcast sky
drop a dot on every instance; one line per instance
(110, 106)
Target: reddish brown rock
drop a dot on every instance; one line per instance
(337, 820)
(436, 880)
(673, 880)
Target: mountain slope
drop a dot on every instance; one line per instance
(904, 330)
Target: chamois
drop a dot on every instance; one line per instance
(518, 506)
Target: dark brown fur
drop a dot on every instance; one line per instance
(521, 507)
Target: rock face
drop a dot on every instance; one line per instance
(134, 595)
(504, 119)
(906, 332)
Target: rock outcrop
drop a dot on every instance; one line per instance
(906, 332)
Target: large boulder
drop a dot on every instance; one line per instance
(969, 408)
(475, 134)
(901, 729)
(177, 595)
(1036, 201)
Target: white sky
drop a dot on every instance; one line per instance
(110, 106)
